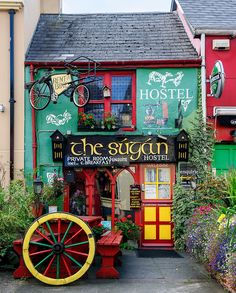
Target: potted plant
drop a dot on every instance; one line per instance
(52, 192)
(110, 121)
(130, 230)
(98, 231)
(86, 120)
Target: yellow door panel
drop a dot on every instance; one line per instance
(165, 232)
(164, 214)
(149, 214)
(150, 232)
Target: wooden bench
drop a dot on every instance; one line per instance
(109, 247)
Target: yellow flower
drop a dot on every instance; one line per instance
(221, 218)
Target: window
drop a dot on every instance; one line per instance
(157, 183)
(121, 104)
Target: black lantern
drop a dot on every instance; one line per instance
(58, 146)
(70, 176)
(38, 186)
(182, 145)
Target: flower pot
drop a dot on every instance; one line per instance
(133, 243)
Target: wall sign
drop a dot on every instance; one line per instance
(217, 79)
(135, 197)
(188, 173)
(101, 150)
(227, 120)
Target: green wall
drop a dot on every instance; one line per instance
(161, 94)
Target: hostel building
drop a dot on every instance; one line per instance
(119, 153)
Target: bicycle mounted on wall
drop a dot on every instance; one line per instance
(72, 83)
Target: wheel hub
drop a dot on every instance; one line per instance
(58, 248)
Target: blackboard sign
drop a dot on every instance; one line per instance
(135, 197)
(188, 173)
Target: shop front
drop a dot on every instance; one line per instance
(140, 181)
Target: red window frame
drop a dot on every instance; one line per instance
(107, 81)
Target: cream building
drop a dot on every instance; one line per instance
(18, 20)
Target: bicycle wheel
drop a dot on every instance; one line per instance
(58, 248)
(40, 95)
(81, 95)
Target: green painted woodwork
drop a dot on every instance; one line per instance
(159, 93)
(224, 158)
(163, 94)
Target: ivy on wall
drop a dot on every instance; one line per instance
(201, 155)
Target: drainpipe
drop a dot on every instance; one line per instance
(34, 137)
(203, 76)
(12, 100)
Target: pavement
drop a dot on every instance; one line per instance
(137, 275)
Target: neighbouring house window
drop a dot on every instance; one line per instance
(122, 100)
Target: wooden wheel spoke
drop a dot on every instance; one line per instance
(74, 260)
(49, 265)
(66, 265)
(58, 267)
(50, 230)
(59, 230)
(44, 236)
(76, 244)
(67, 231)
(77, 252)
(43, 260)
(40, 244)
(40, 252)
(72, 237)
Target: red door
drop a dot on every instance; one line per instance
(157, 182)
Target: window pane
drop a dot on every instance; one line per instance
(96, 109)
(150, 191)
(163, 191)
(123, 112)
(150, 175)
(95, 89)
(164, 175)
(121, 87)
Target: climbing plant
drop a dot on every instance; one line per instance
(201, 153)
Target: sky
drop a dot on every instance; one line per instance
(114, 6)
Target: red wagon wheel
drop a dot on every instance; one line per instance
(58, 248)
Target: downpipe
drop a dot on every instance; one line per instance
(12, 99)
(203, 75)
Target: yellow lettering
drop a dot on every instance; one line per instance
(113, 148)
(159, 144)
(73, 151)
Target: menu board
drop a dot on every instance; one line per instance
(135, 196)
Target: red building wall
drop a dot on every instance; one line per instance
(228, 97)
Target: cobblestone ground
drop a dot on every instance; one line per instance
(159, 275)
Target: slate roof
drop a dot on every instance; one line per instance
(210, 14)
(110, 37)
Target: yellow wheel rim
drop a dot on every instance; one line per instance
(46, 253)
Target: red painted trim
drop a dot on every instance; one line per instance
(66, 198)
(34, 137)
(132, 63)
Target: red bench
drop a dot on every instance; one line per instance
(109, 247)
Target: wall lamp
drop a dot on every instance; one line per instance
(2, 108)
(233, 134)
(106, 92)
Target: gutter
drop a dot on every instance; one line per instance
(12, 100)
(130, 63)
(218, 32)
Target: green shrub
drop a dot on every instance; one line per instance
(15, 213)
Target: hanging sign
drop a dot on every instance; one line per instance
(217, 79)
(101, 150)
(135, 196)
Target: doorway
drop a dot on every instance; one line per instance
(157, 199)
